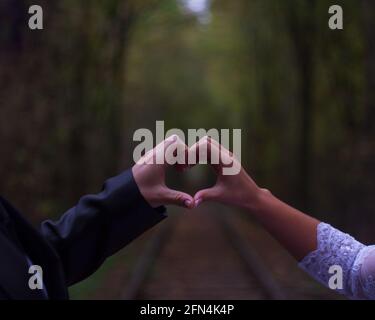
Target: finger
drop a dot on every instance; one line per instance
(171, 151)
(156, 155)
(204, 151)
(176, 154)
(218, 156)
(171, 140)
(210, 194)
(160, 149)
(225, 157)
(178, 198)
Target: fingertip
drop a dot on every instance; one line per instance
(189, 204)
(199, 195)
(170, 140)
(198, 202)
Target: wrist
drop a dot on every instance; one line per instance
(258, 201)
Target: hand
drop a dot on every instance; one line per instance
(295, 230)
(236, 190)
(150, 177)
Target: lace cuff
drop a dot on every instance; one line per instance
(339, 251)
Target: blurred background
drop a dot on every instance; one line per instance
(73, 94)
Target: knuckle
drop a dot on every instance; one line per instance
(177, 197)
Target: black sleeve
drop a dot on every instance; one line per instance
(100, 225)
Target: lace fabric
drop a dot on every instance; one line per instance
(356, 261)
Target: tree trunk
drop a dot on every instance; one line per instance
(302, 30)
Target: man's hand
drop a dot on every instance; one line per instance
(150, 177)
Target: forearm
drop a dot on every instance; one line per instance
(296, 231)
(100, 225)
(318, 246)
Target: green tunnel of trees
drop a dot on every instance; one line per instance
(303, 95)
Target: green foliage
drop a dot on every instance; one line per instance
(73, 94)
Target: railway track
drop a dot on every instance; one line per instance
(201, 256)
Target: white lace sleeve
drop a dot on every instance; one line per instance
(339, 251)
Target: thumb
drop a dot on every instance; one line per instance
(178, 198)
(205, 195)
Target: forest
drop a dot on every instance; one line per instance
(73, 94)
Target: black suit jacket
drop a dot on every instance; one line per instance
(72, 248)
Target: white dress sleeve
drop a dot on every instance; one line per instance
(339, 251)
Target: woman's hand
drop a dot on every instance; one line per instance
(150, 176)
(236, 190)
(295, 230)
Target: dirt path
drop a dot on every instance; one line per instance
(197, 261)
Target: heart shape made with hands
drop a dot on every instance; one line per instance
(150, 171)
